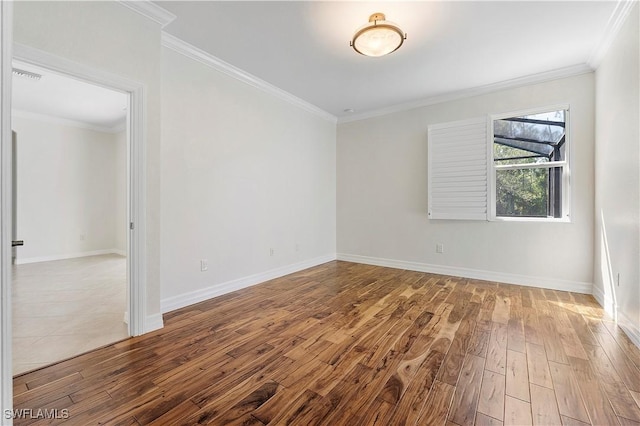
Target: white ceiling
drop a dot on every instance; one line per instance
(302, 47)
(62, 97)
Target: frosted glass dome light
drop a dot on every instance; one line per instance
(378, 38)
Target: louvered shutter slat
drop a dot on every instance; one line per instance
(458, 170)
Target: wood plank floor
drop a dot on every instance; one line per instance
(350, 344)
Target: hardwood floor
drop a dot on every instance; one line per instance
(350, 344)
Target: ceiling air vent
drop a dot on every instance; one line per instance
(26, 74)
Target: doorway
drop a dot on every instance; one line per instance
(139, 323)
(70, 211)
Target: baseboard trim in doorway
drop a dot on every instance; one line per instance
(153, 322)
(68, 256)
(186, 299)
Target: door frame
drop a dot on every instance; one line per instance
(136, 166)
(6, 373)
(136, 135)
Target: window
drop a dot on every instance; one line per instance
(530, 165)
(501, 167)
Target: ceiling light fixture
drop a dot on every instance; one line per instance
(378, 38)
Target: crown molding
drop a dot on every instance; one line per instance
(616, 20)
(474, 91)
(66, 122)
(192, 52)
(150, 10)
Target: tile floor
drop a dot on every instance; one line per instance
(66, 307)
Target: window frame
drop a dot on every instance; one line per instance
(565, 164)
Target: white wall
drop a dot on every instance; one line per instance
(110, 37)
(617, 164)
(242, 172)
(221, 138)
(382, 196)
(66, 190)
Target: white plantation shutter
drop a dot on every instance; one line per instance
(457, 172)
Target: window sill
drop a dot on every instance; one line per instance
(531, 219)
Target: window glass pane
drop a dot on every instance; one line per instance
(522, 192)
(546, 127)
(541, 136)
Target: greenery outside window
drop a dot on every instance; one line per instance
(530, 165)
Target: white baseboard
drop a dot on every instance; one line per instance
(186, 299)
(68, 256)
(153, 322)
(507, 278)
(630, 327)
(606, 303)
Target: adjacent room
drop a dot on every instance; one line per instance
(358, 213)
(70, 217)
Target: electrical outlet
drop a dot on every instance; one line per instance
(204, 265)
(439, 248)
(297, 247)
(81, 237)
(272, 252)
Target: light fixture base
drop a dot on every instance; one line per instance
(377, 17)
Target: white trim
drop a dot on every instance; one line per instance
(548, 165)
(625, 323)
(474, 91)
(630, 328)
(531, 111)
(616, 20)
(77, 70)
(607, 304)
(150, 10)
(503, 277)
(153, 322)
(137, 203)
(137, 154)
(66, 122)
(186, 299)
(564, 219)
(6, 373)
(27, 260)
(199, 55)
(491, 173)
